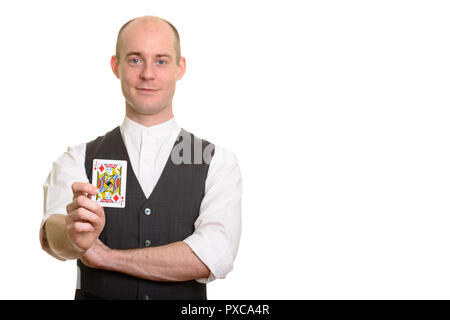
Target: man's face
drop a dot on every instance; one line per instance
(147, 69)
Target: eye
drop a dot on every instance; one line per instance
(161, 61)
(134, 60)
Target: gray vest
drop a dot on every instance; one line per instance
(167, 216)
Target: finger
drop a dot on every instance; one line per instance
(88, 204)
(84, 215)
(83, 202)
(79, 201)
(83, 188)
(72, 206)
(83, 227)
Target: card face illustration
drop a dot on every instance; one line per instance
(110, 177)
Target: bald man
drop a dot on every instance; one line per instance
(180, 225)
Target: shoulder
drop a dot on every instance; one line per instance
(223, 185)
(74, 155)
(224, 156)
(220, 155)
(108, 138)
(224, 168)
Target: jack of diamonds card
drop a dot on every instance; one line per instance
(110, 177)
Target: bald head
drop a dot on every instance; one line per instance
(147, 21)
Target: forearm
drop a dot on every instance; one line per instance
(172, 262)
(57, 240)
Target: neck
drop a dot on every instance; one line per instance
(149, 120)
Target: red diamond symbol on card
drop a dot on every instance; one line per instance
(101, 168)
(116, 197)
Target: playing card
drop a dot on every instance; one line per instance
(110, 177)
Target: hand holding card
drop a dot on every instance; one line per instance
(110, 177)
(85, 218)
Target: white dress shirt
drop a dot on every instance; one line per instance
(218, 227)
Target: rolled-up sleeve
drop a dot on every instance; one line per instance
(218, 228)
(67, 169)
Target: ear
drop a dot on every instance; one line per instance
(115, 66)
(181, 68)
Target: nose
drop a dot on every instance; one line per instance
(147, 72)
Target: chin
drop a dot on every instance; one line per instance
(148, 109)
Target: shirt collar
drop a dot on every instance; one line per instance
(157, 131)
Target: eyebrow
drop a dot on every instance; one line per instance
(159, 55)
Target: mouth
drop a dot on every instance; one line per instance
(147, 90)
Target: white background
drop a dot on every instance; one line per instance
(338, 112)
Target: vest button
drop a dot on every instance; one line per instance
(147, 211)
(148, 243)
